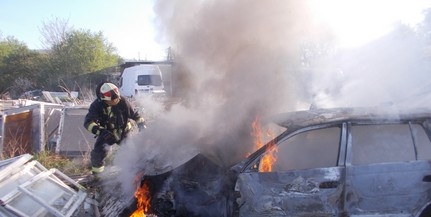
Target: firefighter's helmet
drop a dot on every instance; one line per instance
(108, 91)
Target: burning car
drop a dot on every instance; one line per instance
(341, 162)
(327, 162)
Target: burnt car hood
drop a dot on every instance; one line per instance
(199, 187)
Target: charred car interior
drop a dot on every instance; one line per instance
(328, 162)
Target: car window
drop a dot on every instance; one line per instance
(149, 80)
(387, 143)
(311, 149)
(144, 80)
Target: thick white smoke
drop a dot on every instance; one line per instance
(392, 70)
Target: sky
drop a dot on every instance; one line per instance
(126, 24)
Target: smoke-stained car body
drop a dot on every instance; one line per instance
(341, 162)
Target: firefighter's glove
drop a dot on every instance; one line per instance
(141, 126)
(107, 136)
(96, 129)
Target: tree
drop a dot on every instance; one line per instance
(70, 53)
(10, 45)
(84, 52)
(25, 70)
(54, 31)
(20, 68)
(81, 52)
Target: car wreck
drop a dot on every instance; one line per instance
(342, 162)
(327, 162)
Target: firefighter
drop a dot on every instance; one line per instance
(108, 118)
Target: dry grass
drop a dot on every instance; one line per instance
(70, 167)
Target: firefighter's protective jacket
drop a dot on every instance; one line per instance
(100, 116)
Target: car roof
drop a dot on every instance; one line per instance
(299, 119)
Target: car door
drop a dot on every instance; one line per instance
(305, 180)
(387, 169)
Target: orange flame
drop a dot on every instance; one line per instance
(142, 194)
(269, 159)
(257, 132)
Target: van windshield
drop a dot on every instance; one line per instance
(155, 80)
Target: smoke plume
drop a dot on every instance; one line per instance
(231, 59)
(239, 60)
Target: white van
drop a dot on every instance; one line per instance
(141, 79)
